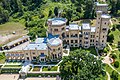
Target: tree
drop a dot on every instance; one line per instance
(80, 65)
(116, 64)
(114, 75)
(110, 38)
(89, 9)
(56, 11)
(50, 13)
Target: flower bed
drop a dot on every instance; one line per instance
(36, 68)
(10, 70)
(50, 68)
(13, 66)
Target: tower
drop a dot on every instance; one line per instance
(102, 27)
(102, 7)
(56, 26)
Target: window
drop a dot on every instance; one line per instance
(53, 49)
(80, 40)
(80, 35)
(98, 22)
(42, 53)
(105, 22)
(34, 57)
(76, 45)
(33, 53)
(27, 58)
(67, 35)
(26, 53)
(90, 40)
(55, 56)
(42, 59)
(76, 35)
(62, 28)
(86, 42)
(103, 36)
(58, 48)
(76, 41)
(55, 29)
(91, 36)
(102, 40)
(86, 38)
(71, 41)
(67, 41)
(93, 40)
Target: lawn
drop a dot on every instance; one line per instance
(36, 68)
(52, 68)
(117, 52)
(10, 70)
(7, 29)
(13, 66)
(116, 34)
(11, 26)
(109, 70)
(2, 58)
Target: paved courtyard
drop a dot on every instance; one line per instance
(40, 79)
(9, 76)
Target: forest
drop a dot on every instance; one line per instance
(34, 13)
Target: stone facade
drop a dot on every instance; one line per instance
(59, 35)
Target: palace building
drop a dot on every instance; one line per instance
(73, 35)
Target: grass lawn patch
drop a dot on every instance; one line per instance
(10, 70)
(13, 66)
(52, 63)
(11, 26)
(116, 37)
(117, 53)
(36, 68)
(51, 68)
(108, 69)
(2, 58)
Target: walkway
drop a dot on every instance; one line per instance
(107, 61)
(43, 78)
(108, 75)
(9, 76)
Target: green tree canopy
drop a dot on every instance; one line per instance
(80, 65)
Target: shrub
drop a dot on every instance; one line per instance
(105, 50)
(114, 75)
(113, 56)
(116, 64)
